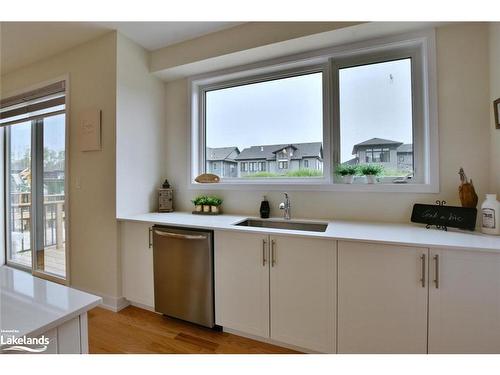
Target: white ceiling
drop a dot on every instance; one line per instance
(154, 35)
(23, 43)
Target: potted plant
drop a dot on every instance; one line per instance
(371, 171)
(205, 202)
(215, 203)
(198, 203)
(346, 172)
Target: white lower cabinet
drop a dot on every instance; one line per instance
(464, 302)
(277, 287)
(70, 337)
(242, 282)
(303, 289)
(382, 299)
(137, 263)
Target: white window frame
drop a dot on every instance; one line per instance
(420, 46)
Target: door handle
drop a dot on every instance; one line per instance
(264, 243)
(422, 280)
(180, 236)
(150, 239)
(273, 253)
(436, 270)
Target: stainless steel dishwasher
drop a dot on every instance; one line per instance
(183, 274)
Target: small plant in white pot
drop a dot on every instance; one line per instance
(215, 203)
(371, 171)
(198, 203)
(346, 172)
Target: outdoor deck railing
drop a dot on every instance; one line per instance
(53, 219)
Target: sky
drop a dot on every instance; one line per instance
(54, 137)
(375, 101)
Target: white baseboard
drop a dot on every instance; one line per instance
(268, 340)
(114, 304)
(143, 306)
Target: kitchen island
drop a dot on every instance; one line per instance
(52, 317)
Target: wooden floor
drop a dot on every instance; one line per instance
(134, 330)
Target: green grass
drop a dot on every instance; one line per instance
(304, 173)
(298, 173)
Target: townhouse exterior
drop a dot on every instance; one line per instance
(392, 155)
(280, 158)
(222, 162)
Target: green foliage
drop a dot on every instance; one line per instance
(371, 169)
(346, 170)
(207, 200)
(262, 174)
(200, 200)
(304, 172)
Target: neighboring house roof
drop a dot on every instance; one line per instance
(352, 161)
(375, 142)
(407, 147)
(221, 153)
(267, 152)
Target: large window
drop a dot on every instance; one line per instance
(277, 119)
(35, 170)
(365, 105)
(376, 119)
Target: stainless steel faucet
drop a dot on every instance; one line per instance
(286, 207)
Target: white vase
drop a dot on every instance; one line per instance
(371, 179)
(348, 179)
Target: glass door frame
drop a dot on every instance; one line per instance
(36, 158)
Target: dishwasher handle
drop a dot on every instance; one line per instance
(180, 236)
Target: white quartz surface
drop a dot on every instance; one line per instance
(402, 234)
(31, 306)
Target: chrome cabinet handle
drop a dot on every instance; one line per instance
(273, 253)
(436, 270)
(180, 236)
(264, 243)
(422, 258)
(150, 239)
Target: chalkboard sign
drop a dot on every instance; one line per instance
(444, 216)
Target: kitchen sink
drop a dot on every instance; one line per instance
(287, 225)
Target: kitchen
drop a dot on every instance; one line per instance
(255, 243)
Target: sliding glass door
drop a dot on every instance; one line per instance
(50, 243)
(18, 199)
(36, 195)
(35, 181)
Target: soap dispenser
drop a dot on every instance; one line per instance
(490, 212)
(264, 208)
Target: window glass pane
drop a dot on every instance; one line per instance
(376, 116)
(51, 254)
(19, 194)
(271, 125)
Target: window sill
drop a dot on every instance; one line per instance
(302, 186)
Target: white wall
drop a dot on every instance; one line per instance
(494, 94)
(463, 95)
(140, 130)
(93, 234)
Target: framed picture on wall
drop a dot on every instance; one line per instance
(496, 109)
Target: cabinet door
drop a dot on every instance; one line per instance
(137, 263)
(242, 282)
(303, 292)
(464, 307)
(382, 301)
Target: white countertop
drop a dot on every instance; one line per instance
(401, 234)
(31, 306)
